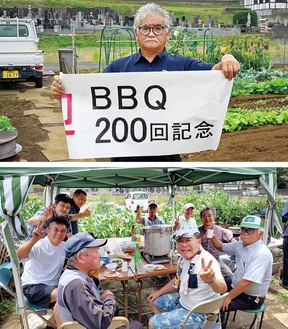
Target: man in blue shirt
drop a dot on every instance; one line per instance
(284, 214)
(152, 219)
(152, 26)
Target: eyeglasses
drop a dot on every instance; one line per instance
(157, 29)
(247, 230)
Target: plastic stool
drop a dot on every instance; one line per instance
(261, 310)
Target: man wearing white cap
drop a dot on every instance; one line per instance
(254, 260)
(198, 279)
(78, 296)
(186, 220)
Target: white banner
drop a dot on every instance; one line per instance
(138, 114)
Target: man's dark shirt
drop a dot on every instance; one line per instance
(162, 62)
(74, 209)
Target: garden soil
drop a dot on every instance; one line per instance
(37, 117)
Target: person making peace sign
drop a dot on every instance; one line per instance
(198, 279)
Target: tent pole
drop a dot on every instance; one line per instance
(173, 191)
(272, 223)
(16, 272)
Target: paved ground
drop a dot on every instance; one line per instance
(276, 314)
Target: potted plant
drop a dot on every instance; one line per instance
(8, 135)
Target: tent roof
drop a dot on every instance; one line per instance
(85, 177)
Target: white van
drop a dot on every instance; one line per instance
(135, 198)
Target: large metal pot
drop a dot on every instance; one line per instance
(157, 240)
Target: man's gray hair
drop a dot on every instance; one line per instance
(73, 259)
(149, 10)
(208, 208)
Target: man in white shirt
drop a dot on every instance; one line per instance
(254, 261)
(44, 260)
(185, 220)
(198, 279)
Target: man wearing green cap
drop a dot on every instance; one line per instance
(254, 266)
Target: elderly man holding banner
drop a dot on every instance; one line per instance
(152, 27)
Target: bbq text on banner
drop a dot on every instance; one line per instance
(139, 114)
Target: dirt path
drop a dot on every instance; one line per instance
(38, 120)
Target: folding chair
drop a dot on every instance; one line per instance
(4, 259)
(5, 276)
(4, 255)
(117, 321)
(209, 307)
(71, 325)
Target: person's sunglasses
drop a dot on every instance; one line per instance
(247, 230)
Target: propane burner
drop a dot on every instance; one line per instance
(156, 259)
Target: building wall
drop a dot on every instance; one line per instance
(275, 11)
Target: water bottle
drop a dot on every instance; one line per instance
(104, 257)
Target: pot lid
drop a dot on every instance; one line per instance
(157, 228)
(8, 146)
(7, 136)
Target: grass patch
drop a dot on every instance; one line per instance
(283, 297)
(7, 307)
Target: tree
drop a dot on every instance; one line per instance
(282, 178)
(241, 17)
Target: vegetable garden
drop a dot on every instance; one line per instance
(111, 221)
(255, 128)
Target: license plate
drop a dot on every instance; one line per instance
(10, 74)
